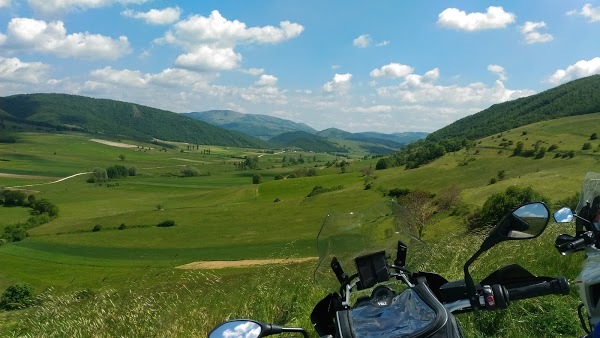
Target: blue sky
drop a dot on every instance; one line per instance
(387, 66)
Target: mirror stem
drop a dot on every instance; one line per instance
(471, 292)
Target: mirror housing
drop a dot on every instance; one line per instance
(238, 328)
(525, 222)
(249, 328)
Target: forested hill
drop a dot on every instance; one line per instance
(257, 125)
(577, 97)
(306, 141)
(117, 118)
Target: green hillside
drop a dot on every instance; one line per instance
(578, 97)
(123, 282)
(257, 125)
(306, 141)
(117, 118)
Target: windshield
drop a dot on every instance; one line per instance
(352, 234)
(590, 189)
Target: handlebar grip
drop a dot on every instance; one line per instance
(555, 286)
(577, 244)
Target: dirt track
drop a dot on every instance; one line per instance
(206, 265)
(114, 144)
(27, 176)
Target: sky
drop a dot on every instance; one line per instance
(385, 66)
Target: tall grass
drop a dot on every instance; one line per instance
(192, 303)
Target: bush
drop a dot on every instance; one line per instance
(190, 172)
(122, 226)
(278, 177)
(398, 192)
(256, 179)
(586, 146)
(117, 171)
(493, 180)
(45, 206)
(167, 223)
(594, 136)
(552, 147)
(17, 296)
(133, 171)
(499, 204)
(97, 228)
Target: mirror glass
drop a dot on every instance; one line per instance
(237, 329)
(564, 215)
(528, 221)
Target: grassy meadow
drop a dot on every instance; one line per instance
(124, 282)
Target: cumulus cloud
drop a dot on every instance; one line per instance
(266, 81)
(253, 71)
(210, 41)
(207, 57)
(493, 18)
(340, 83)
(156, 16)
(580, 69)
(170, 77)
(368, 110)
(52, 38)
(422, 89)
(16, 71)
(383, 43)
(56, 7)
(498, 70)
(531, 35)
(392, 70)
(589, 12)
(5, 3)
(362, 41)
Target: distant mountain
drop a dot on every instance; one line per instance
(261, 126)
(577, 97)
(117, 118)
(306, 141)
(334, 133)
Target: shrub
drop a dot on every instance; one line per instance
(552, 147)
(493, 180)
(17, 296)
(117, 171)
(277, 200)
(256, 179)
(594, 136)
(190, 172)
(167, 223)
(586, 146)
(278, 177)
(398, 192)
(541, 153)
(122, 226)
(499, 204)
(133, 171)
(45, 206)
(97, 228)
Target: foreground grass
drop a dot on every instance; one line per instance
(191, 303)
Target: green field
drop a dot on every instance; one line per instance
(223, 216)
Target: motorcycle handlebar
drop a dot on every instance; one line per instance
(555, 286)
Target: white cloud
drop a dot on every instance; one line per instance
(16, 71)
(52, 38)
(5, 3)
(589, 12)
(368, 110)
(531, 35)
(498, 70)
(392, 70)
(253, 71)
(422, 89)
(170, 77)
(494, 18)
(362, 41)
(383, 43)
(55, 7)
(209, 42)
(215, 29)
(334, 67)
(209, 58)
(340, 83)
(156, 16)
(580, 69)
(266, 81)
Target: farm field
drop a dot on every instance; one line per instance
(222, 215)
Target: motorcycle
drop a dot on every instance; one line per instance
(369, 303)
(587, 238)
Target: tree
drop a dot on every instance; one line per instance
(98, 175)
(418, 209)
(501, 174)
(133, 171)
(117, 171)
(45, 206)
(122, 226)
(97, 228)
(541, 153)
(122, 157)
(256, 179)
(17, 296)
(519, 148)
(586, 146)
(251, 162)
(14, 197)
(188, 171)
(594, 136)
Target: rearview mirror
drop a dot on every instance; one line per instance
(237, 329)
(564, 215)
(528, 221)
